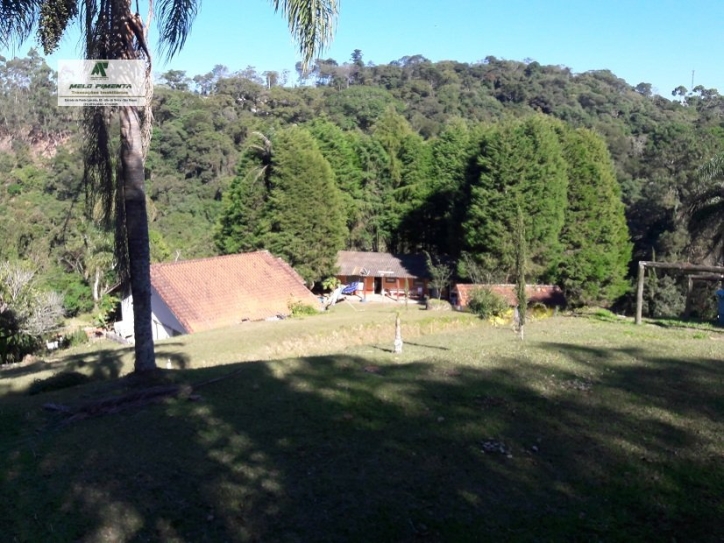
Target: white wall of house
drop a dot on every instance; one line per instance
(164, 323)
(127, 308)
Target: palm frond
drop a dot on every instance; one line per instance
(705, 208)
(103, 194)
(95, 20)
(706, 216)
(17, 20)
(98, 162)
(708, 196)
(175, 18)
(311, 23)
(713, 169)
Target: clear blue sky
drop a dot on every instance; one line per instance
(654, 41)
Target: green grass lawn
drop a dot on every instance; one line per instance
(587, 431)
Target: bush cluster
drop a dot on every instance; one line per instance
(485, 303)
(300, 309)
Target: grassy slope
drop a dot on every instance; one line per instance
(609, 432)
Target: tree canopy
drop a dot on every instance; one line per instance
(421, 155)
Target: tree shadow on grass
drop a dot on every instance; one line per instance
(318, 449)
(684, 384)
(18, 370)
(437, 347)
(96, 365)
(693, 324)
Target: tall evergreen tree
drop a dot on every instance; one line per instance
(453, 160)
(337, 146)
(285, 199)
(520, 161)
(305, 210)
(406, 212)
(373, 162)
(595, 235)
(390, 130)
(240, 227)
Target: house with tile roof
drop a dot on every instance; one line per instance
(196, 295)
(384, 273)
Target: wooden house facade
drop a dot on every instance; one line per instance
(384, 273)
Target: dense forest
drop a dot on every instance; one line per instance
(408, 156)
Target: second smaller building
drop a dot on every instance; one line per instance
(384, 273)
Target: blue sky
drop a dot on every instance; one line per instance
(654, 41)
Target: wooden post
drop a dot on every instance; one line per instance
(689, 288)
(407, 291)
(640, 292)
(682, 267)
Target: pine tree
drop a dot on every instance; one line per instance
(240, 226)
(285, 199)
(338, 147)
(520, 161)
(304, 212)
(373, 161)
(406, 218)
(453, 158)
(405, 183)
(390, 130)
(595, 235)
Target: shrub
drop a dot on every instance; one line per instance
(106, 308)
(27, 314)
(665, 297)
(485, 303)
(540, 311)
(438, 305)
(14, 346)
(331, 283)
(78, 337)
(300, 309)
(77, 297)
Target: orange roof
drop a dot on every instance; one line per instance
(225, 290)
(549, 295)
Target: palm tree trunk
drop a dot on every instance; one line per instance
(134, 195)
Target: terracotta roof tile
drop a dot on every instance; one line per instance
(222, 291)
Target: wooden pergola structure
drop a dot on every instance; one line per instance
(693, 272)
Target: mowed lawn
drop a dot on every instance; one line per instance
(587, 431)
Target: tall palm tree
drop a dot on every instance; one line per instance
(112, 31)
(705, 208)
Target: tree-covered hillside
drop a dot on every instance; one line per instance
(407, 156)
